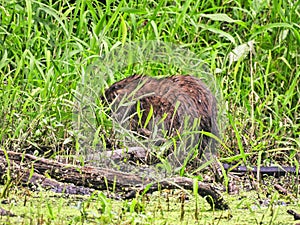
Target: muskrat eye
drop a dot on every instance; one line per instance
(115, 87)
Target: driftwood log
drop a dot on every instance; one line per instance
(72, 179)
(139, 153)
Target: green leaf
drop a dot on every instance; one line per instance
(150, 114)
(218, 31)
(219, 17)
(124, 30)
(133, 10)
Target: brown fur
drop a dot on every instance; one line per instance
(196, 102)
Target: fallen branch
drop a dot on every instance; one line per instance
(275, 171)
(139, 153)
(293, 213)
(97, 178)
(19, 174)
(119, 155)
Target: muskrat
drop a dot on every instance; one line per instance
(177, 103)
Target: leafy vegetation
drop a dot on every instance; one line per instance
(250, 47)
(160, 208)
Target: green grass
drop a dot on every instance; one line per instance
(47, 47)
